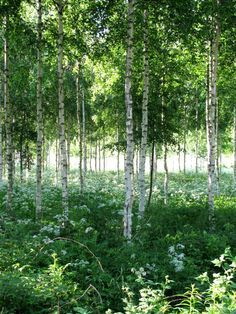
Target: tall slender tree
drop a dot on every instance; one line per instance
(39, 113)
(142, 160)
(60, 4)
(80, 139)
(129, 126)
(8, 117)
(211, 112)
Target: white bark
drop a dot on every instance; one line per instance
(68, 149)
(142, 161)
(84, 135)
(8, 119)
(129, 126)
(211, 115)
(185, 135)
(39, 114)
(62, 140)
(217, 170)
(166, 178)
(99, 156)
(197, 135)
(80, 140)
(104, 154)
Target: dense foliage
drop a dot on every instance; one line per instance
(87, 268)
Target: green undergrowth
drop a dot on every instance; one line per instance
(86, 266)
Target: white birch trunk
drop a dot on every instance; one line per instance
(84, 135)
(95, 157)
(197, 135)
(8, 119)
(211, 132)
(62, 140)
(104, 154)
(39, 114)
(99, 156)
(142, 161)
(129, 126)
(166, 178)
(80, 139)
(217, 170)
(68, 149)
(185, 131)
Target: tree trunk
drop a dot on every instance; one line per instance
(129, 126)
(39, 114)
(104, 154)
(68, 150)
(197, 134)
(56, 161)
(62, 140)
(144, 126)
(96, 156)
(80, 139)
(151, 174)
(99, 156)
(8, 119)
(90, 156)
(211, 132)
(166, 178)
(179, 157)
(185, 131)
(217, 167)
(84, 136)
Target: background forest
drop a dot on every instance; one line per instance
(117, 156)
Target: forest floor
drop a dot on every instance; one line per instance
(86, 267)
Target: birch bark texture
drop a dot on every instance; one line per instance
(62, 141)
(144, 126)
(39, 113)
(80, 140)
(129, 125)
(8, 118)
(196, 132)
(211, 117)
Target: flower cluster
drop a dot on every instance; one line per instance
(52, 229)
(177, 257)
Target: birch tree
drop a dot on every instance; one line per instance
(8, 118)
(142, 160)
(60, 9)
(39, 113)
(80, 139)
(129, 125)
(211, 116)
